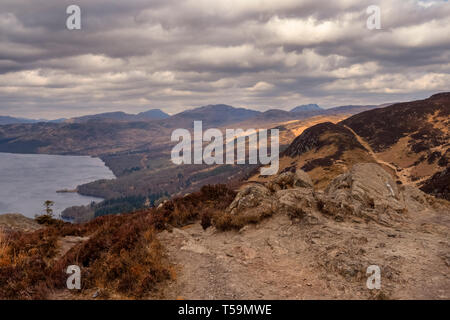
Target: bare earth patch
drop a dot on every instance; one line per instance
(279, 259)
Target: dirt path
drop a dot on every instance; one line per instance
(281, 260)
(256, 263)
(66, 243)
(402, 175)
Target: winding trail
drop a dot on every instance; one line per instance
(400, 173)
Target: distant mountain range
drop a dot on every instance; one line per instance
(307, 107)
(12, 120)
(138, 151)
(114, 132)
(212, 115)
(154, 114)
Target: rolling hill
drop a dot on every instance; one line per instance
(412, 136)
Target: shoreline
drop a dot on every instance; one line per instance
(66, 173)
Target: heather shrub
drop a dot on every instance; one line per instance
(25, 264)
(121, 255)
(5, 258)
(225, 221)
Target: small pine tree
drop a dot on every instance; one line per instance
(48, 207)
(47, 217)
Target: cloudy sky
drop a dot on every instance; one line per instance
(135, 55)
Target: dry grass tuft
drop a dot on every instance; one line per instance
(4, 250)
(227, 222)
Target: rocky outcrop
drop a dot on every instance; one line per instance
(286, 180)
(298, 203)
(367, 192)
(252, 199)
(302, 179)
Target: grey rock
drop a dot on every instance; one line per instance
(252, 199)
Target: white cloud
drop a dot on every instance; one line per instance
(261, 86)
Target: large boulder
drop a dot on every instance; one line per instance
(367, 190)
(289, 179)
(252, 199)
(367, 183)
(298, 203)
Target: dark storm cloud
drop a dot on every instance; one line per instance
(174, 54)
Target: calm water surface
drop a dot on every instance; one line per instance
(26, 181)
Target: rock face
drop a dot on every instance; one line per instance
(367, 192)
(289, 179)
(298, 203)
(252, 199)
(366, 181)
